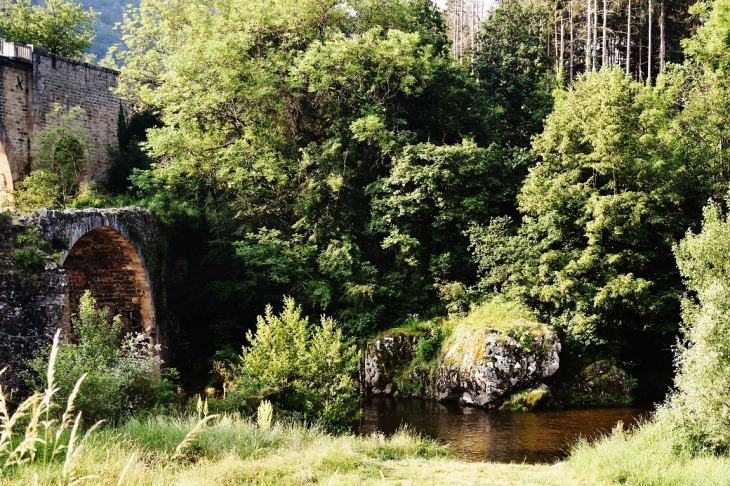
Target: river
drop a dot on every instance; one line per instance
(476, 434)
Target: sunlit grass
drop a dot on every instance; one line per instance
(234, 450)
(503, 316)
(645, 457)
(41, 443)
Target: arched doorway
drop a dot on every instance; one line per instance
(106, 263)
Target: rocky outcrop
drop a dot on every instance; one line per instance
(600, 384)
(385, 359)
(483, 366)
(480, 367)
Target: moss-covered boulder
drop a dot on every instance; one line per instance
(601, 384)
(527, 400)
(482, 366)
(385, 359)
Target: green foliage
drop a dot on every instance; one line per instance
(62, 154)
(127, 155)
(310, 146)
(61, 26)
(30, 252)
(122, 374)
(300, 368)
(711, 43)
(429, 344)
(600, 213)
(514, 68)
(696, 412)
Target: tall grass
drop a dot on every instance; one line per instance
(32, 433)
(648, 456)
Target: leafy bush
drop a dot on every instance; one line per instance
(298, 367)
(61, 156)
(698, 411)
(29, 252)
(122, 375)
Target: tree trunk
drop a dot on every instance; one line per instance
(572, 44)
(562, 45)
(604, 47)
(472, 31)
(588, 37)
(662, 43)
(648, 50)
(640, 70)
(595, 33)
(628, 42)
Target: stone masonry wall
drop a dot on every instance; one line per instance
(28, 90)
(31, 308)
(16, 119)
(74, 83)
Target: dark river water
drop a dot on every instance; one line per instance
(476, 434)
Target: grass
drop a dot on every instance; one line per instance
(234, 450)
(647, 456)
(504, 316)
(41, 444)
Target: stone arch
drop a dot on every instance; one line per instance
(6, 172)
(104, 261)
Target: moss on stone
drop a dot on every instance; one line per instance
(601, 384)
(527, 400)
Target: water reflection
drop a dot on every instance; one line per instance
(480, 435)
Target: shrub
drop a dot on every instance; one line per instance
(61, 156)
(29, 252)
(298, 367)
(698, 411)
(122, 375)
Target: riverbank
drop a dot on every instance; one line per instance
(234, 450)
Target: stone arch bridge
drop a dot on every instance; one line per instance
(114, 253)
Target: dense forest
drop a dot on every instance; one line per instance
(384, 159)
(379, 164)
(347, 161)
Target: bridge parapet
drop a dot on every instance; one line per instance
(15, 50)
(136, 224)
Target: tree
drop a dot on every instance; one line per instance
(128, 155)
(697, 411)
(272, 132)
(301, 368)
(600, 213)
(62, 26)
(514, 69)
(60, 159)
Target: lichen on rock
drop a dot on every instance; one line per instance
(484, 365)
(527, 400)
(385, 358)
